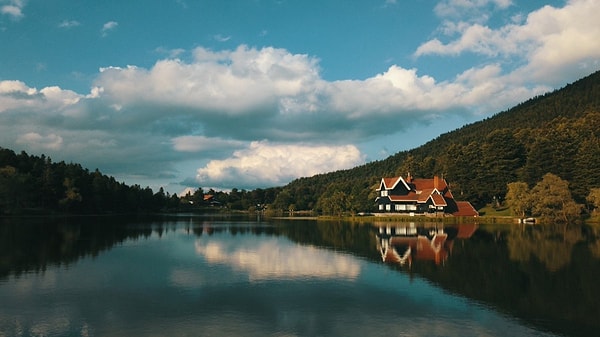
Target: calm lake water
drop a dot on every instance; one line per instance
(204, 276)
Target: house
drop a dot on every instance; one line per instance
(420, 197)
(209, 199)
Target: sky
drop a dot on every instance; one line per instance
(248, 94)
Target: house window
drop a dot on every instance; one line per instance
(412, 207)
(381, 207)
(388, 207)
(398, 207)
(384, 193)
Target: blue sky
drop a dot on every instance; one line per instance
(185, 94)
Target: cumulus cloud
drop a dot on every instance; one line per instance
(265, 164)
(252, 94)
(550, 40)
(17, 95)
(108, 27)
(69, 24)
(44, 142)
(13, 8)
(236, 112)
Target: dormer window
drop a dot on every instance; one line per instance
(384, 193)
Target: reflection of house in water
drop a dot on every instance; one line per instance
(405, 242)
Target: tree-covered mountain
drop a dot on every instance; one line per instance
(558, 133)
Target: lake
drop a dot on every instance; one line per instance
(194, 275)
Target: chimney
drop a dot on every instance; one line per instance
(436, 182)
(408, 178)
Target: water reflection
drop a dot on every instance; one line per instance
(552, 245)
(104, 275)
(402, 243)
(269, 260)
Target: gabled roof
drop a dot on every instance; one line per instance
(438, 200)
(390, 183)
(421, 198)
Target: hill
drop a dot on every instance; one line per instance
(37, 185)
(558, 133)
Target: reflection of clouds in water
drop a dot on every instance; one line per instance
(186, 278)
(45, 281)
(271, 260)
(55, 321)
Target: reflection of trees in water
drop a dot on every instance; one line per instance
(33, 244)
(546, 276)
(595, 245)
(552, 245)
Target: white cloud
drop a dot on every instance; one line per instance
(550, 37)
(222, 38)
(43, 142)
(171, 53)
(271, 261)
(14, 9)
(222, 101)
(268, 93)
(266, 164)
(109, 26)
(17, 95)
(204, 144)
(69, 24)
(475, 10)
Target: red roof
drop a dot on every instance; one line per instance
(438, 200)
(422, 184)
(465, 209)
(390, 183)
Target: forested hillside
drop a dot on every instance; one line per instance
(33, 184)
(557, 133)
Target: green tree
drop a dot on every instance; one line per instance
(336, 203)
(72, 196)
(586, 174)
(501, 155)
(518, 198)
(594, 198)
(552, 200)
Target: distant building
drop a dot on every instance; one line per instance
(420, 197)
(209, 199)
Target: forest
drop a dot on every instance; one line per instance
(557, 133)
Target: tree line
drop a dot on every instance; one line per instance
(36, 184)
